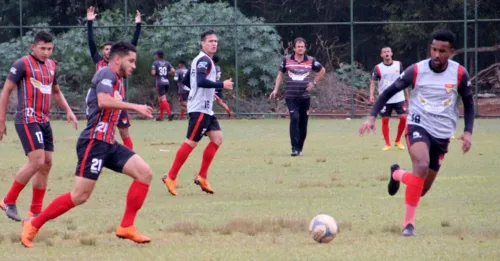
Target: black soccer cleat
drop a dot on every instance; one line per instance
(159, 119)
(393, 185)
(171, 117)
(409, 231)
(10, 211)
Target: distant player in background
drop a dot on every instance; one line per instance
(102, 60)
(219, 92)
(35, 76)
(432, 119)
(202, 121)
(299, 81)
(96, 149)
(160, 70)
(385, 73)
(182, 89)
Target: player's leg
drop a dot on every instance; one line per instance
(214, 133)
(123, 129)
(385, 113)
(401, 111)
(303, 120)
(182, 104)
(438, 150)
(198, 124)
(293, 110)
(32, 140)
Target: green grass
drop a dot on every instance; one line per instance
(264, 199)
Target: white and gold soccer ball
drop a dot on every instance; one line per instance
(323, 228)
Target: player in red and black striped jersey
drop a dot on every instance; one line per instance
(35, 78)
(102, 60)
(96, 148)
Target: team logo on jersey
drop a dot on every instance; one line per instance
(124, 120)
(117, 96)
(203, 65)
(13, 70)
(298, 77)
(449, 87)
(45, 89)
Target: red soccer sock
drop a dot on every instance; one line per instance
(166, 106)
(180, 157)
(414, 187)
(208, 156)
(37, 200)
(182, 115)
(57, 207)
(135, 198)
(128, 143)
(401, 128)
(13, 193)
(162, 109)
(385, 131)
(401, 175)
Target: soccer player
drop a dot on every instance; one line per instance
(202, 121)
(160, 71)
(96, 148)
(35, 77)
(102, 60)
(182, 89)
(433, 114)
(218, 92)
(385, 73)
(299, 82)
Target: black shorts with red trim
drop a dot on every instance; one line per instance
(183, 96)
(124, 121)
(162, 89)
(399, 107)
(199, 124)
(437, 147)
(93, 155)
(35, 136)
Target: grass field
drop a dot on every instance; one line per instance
(264, 199)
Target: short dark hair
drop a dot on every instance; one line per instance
(445, 36)
(121, 48)
(160, 54)
(182, 62)
(206, 33)
(108, 43)
(299, 39)
(43, 36)
(216, 59)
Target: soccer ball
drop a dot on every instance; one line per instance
(323, 228)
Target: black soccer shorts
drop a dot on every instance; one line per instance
(199, 124)
(35, 136)
(437, 147)
(399, 107)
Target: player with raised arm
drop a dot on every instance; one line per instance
(160, 70)
(35, 76)
(219, 96)
(202, 121)
(432, 119)
(96, 148)
(383, 75)
(102, 60)
(299, 81)
(182, 89)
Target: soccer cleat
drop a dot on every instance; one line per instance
(131, 234)
(393, 185)
(299, 153)
(10, 211)
(29, 232)
(170, 184)
(171, 117)
(399, 145)
(386, 148)
(159, 119)
(409, 231)
(294, 153)
(32, 215)
(203, 183)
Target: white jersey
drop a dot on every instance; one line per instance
(386, 75)
(201, 99)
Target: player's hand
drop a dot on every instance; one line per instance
(72, 120)
(3, 129)
(466, 141)
(91, 13)
(228, 84)
(144, 110)
(138, 18)
(309, 86)
(372, 99)
(368, 125)
(273, 95)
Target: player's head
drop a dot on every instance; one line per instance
(122, 57)
(106, 49)
(299, 46)
(209, 42)
(386, 54)
(216, 59)
(182, 64)
(42, 45)
(442, 47)
(159, 55)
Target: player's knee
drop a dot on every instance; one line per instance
(37, 161)
(80, 196)
(145, 173)
(47, 164)
(294, 116)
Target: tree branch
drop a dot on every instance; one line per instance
(493, 48)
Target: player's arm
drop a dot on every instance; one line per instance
(96, 57)
(203, 66)
(465, 90)
(153, 69)
(16, 73)
(320, 72)
(171, 69)
(137, 32)
(279, 78)
(373, 83)
(63, 104)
